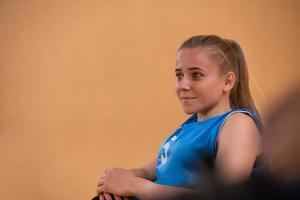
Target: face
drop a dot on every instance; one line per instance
(199, 81)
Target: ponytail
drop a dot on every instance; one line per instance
(240, 96)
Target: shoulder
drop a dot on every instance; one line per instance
(239, 126)
(239, 120)
(238, 146)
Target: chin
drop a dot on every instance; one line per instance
(189, 111)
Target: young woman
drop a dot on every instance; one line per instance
(221, 135)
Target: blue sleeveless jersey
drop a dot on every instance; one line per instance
(191, 149)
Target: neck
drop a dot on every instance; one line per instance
(222, 107)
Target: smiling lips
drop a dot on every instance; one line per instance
(187, 98)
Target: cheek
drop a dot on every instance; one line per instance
(215, 80)
(209, 88)
(204, 85)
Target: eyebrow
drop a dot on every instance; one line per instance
(190, 69)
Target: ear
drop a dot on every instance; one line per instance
(229, 81)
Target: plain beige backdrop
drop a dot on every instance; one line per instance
(89, 84)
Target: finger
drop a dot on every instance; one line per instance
(100, 181)
(101, 197)
(117, 197)
(100, 190)
(107, 196)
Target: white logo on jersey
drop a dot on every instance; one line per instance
(173, 138)
(164, 156)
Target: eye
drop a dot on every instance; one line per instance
(179, 76)
(197, 75)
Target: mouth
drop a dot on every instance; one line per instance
(187, 98)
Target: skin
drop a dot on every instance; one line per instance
(203, 89)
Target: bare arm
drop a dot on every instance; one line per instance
(148, 190)
(137, 182)
(146, 172)
(122, 182)
(239, 144)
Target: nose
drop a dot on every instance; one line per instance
(184, 84)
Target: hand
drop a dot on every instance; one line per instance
(108, 196)
(118, 181)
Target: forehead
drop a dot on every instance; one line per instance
(191, 57)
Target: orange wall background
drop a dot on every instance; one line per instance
(87, 85)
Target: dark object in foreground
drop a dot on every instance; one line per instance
(95, 198)
(262, 187)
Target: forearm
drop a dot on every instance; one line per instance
(148, 190)
(127, 183)
(138, 172)
(141, 173)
